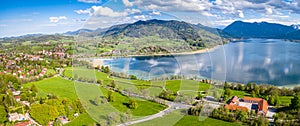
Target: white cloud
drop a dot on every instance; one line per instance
(106, 11)
(87, 11)
(140, 17)
(241, 14)
(216, 13)
(90, 1)
(57, 19)
(133, 11)
(102, 11)
(155, 13)
(269, 11)
(127, 3)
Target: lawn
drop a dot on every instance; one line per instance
(82, 120)
(187, 87)
(87, 94)
(87, 73)
(144, 107)
(285, 100)
(189, 120)
(178, 118)
(240, 94)
(175, 85)
(55, 85)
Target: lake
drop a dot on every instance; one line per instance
(264, 61)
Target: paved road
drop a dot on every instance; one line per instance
(172, 106)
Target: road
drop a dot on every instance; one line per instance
(172, 106)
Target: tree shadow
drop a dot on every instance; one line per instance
(126, 104)
(93, 102)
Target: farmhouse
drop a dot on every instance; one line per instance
(258, 104)
(233, 104)
(261, 103)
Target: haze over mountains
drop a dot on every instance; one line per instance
(173, 29)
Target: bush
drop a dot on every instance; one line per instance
(133, 104)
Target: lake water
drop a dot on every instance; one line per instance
(267, 61)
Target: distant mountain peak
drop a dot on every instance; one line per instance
(258, 30)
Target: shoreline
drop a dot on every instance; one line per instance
(180, 53)
(99, 61)
(205, 50)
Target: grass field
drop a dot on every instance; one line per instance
(65, 88)
(88, 92)
(177, 118)
(154, 88)
(240, 94)
(285, 100)
(176, 85)
(144, 107)
(55, 85)
(82, 120)
(87, 73)
(193, 121)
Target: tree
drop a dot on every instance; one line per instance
(242, 115)
(23, 97)
(133, 104)
(97, 100)
(277, 100)
(271, 99)
(240, 87)
(110, 96)
(200, 96)
(33, 88)
(260, 121)
(295, 102)
(113, 118)
(43, 113)
(228, 92)
(3, 115)
(99, 81)
(226, 85)
(248, 87)
(113, 84)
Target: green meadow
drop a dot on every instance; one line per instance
(179, 118)
(87, 94)
(55, 85)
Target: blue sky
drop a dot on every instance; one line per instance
(20, 17)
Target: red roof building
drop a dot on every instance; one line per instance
(235, 107)
(262, 107)
(252, 100)
(23, 124)
(262, 104)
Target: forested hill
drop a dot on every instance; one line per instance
(262, 30)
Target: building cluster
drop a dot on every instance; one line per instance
(24, 65)
(57, 52)
(247, 104)
(21, 119)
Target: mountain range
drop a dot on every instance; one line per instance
(266, 30)
(173, 29)
(237, 29)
